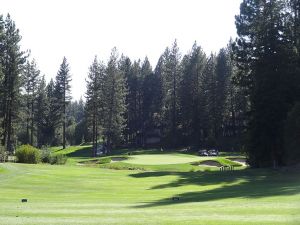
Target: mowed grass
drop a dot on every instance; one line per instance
(73, 194)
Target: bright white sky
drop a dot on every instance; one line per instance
(81, 29)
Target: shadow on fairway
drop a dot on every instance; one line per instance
(83, 152)
(236, 184)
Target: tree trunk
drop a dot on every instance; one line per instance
(174, 111)
(64, 127)
(32, 122)
(96, 139)
(9, 130)
(93, 134)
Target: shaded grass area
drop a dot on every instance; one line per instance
(74, 153)
(244, 184)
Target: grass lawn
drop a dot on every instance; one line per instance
(73, 194)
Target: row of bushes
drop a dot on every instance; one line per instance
(30, 154)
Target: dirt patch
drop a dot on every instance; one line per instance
(210, 163)
(118, 159)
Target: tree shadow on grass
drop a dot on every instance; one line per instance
(236, 184)
(83, 152)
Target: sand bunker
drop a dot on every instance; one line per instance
(210, 163)
(118, 159)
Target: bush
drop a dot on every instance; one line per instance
(46, 155)
(28, 154)
(59, 159)
(3, 154)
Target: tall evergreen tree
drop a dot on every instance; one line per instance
(42, 113)
(263, 56)
(12, 60)
(94, 97)
(171, 80)
(193, 66)
(151, 98)
(114, 102)
(30, 83)
(63, 95)
(125, 66)
(52, 119)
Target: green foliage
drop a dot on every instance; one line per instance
(42, 115)
(114, 102)
(30, 80)
(95, 100)
(3, 154)
(28, 154)
(46, 155)
(12, 60)
(59, 159)
(62, 95)
(265, 56)
(172, 76)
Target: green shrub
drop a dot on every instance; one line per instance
(59, 159)
(3, 154)
(104, 160)
(28, 154)
(46, 155)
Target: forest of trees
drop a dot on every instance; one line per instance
(245, 98)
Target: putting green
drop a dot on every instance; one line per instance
(162, 159)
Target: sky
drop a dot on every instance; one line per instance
(81, 29)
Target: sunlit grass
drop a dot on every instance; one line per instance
(142, 194)
(84, 195)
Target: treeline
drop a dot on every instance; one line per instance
(245, 97)
(183, 101)
(187, 100)
(32, 111)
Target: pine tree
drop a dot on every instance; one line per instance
(53, 118)
(30, 82)
(193, 66)
(63, 95)
(262, 56)
(12, 60)
(171, 80)
(151, 103)
(125, 66)
(41, 116)
(94, 97)
(1, 76)
(114, 102)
